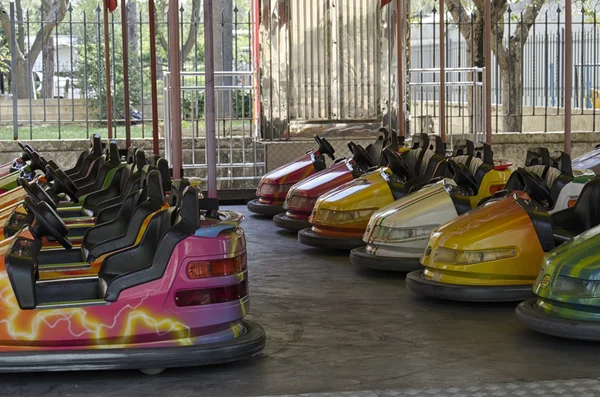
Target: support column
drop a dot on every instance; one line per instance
(487, 39)
(209, 100)
(568, 73)
(175, 62)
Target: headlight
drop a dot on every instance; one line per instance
(302, 203)
(402, 234)
(578, 287)
(459, 257)
(337, 217)
(267, 189)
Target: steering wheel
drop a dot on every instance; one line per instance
(360, 155)
(325, 147)
(397, 164)
(537, 189)
(63, 184)
(47, 222)
(36, 192)
(462, 176)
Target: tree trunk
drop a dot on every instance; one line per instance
(48, 62)
(23, 85)
(512, 89)
(475, 48)
(132, 29)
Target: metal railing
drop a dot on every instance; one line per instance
(238, 152)
(65, 98)
(465, 106)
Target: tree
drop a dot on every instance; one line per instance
(508, 52)
(54, 12)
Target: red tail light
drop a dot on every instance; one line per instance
(496, 188)
(217, 268)
(209, 296)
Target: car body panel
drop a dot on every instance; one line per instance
(284, 178)
(498, 225)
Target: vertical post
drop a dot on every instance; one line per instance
(442, 73)
(487, 38)
(13, 67)
(153, 77)
(125, 74)
(174, 56)
(209, 101)
(107, 67)
(400, 18)
(568, 73)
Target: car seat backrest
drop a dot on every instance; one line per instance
(562, 161)
(177, 189)
(131, 153)
(375, 150)
(163, 167)
(463, 147)
(435, 151)
(184, 224)
(586, 209)
(537, 156)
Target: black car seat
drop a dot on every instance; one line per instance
(113, 161)
(584, 215)
(148, 260)
(413, 157)
(85, 160)
(122, 231)
(375, 149)
(463, 152)
(559, 174)
(129, 181)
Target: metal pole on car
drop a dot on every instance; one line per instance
(125, 74)
(442, 73)
(153, 75)
(107, 68)
(209, 100)
(13, 67)
(400, 21)
(487, 40)
(175, 62)
(568, 73)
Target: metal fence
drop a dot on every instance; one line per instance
(541, 73)
(238, 155)
(320, 63)
(74, 106)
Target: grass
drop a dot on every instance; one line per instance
(83, 131)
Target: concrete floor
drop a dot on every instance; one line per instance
(333, 327)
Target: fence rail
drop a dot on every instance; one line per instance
(66, 96)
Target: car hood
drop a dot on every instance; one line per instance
(498, 224)
(323, 181)
(292, 172)
(426, 206)
(370, 191)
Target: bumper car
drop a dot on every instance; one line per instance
(493, 253)
(567, 302)
(397, 234)
(302, 197)
(176, 299)
(340, 216)
(274, 186)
